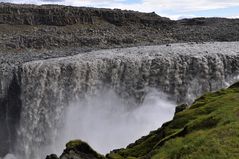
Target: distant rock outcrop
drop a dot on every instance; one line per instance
(65, 15)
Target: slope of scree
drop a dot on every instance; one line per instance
(207, 129)
(51, 26)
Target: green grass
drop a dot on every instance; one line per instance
(209, 129)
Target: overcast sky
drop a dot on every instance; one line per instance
(173, 9)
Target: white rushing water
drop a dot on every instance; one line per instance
(62, 99)
(107, 122)
(10, 156)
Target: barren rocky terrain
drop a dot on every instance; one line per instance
(24, 27)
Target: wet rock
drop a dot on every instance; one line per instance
(78, 149)
(235, 85)
(180, 108)
(52, 156)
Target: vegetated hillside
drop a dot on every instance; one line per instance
(51, 26)
(206, 130)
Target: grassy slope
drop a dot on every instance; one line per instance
(209, 129)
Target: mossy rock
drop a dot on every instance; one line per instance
(78, 144)
(181, 108)
(78, 149)
(235, 85)
(52, 156)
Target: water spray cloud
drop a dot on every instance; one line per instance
(106, 122)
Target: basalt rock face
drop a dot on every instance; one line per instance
(51, 26)
(64, 15)
(10, 110)
(10, 106)
(44, 88)
(200, 29)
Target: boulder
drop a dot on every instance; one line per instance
(78, 149)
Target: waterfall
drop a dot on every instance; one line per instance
(50, 87)
(106, 122)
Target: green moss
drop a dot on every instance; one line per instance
(74, 143)
(206, 130)
(79, 146)
(114, 156)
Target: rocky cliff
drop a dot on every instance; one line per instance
(32, 113)
(40, 26)
(51, 26)
(57, 15)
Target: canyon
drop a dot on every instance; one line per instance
(37, 93)
(73, 69)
